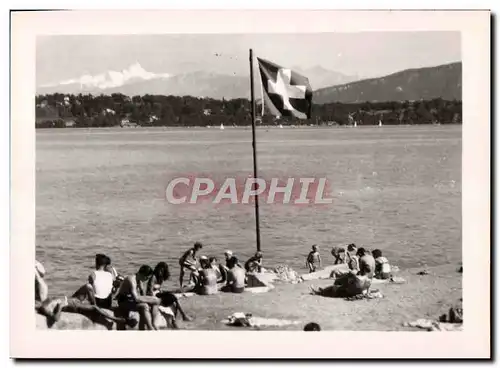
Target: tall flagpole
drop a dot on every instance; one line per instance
(256, 197)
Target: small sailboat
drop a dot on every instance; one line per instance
(222, 127)
(281, 126)
(355, 123)
(380, 123)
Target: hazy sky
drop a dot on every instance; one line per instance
(367, 54)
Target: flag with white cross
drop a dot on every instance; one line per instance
(285, 92)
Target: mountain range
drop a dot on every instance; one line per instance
(442, 81)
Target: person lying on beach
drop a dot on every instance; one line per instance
(366, 263)
(188, 262)
(346, 286)
(382, 265)
(339, 255)
(51, 308)
(43, 304)
(235, 278)
(254, 264)
(130, 297)
(207, 281)
(313, 260)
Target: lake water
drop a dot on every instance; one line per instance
(103, 191)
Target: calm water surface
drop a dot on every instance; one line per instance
(102, 190)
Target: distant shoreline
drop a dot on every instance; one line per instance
(260, 127)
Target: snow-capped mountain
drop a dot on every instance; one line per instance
(135, 80)
(103, 81)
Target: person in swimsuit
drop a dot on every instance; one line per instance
(51, 308)
(339, 255)
(235, 278)
(100, 286)
(207, 284)
(219, 269)
(254, 264)
(43, 304)
(313, 260)
(382, 265)
(188, 262)
(130, 297)
(169, 305)
(366, 263)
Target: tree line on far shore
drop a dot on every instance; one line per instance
(84, 111)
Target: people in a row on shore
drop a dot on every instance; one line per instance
(210, 276)
(363, 266)
(358, 259)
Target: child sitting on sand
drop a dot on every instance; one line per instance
(313, 260)
(382, 266)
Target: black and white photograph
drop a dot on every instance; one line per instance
(251, 181)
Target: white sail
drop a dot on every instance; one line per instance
(355, 123)
(380, 123)
(281, 126)
(222, 127)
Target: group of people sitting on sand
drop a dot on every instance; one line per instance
(105, 291)
(111, 298)
(211, 276)
(362, 267)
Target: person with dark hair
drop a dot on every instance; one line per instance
(254, 264)
(312, 326)
(366, 263)
(161, 273)
(188, 262)
(100, 285)
(313, 260)
(109, 268)
(51, 308)
(130, 297)
(169, 305)
(235, 282)
(382, 266)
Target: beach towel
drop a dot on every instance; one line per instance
(430, 325)
(241, 319)
(375, 294)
